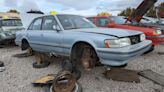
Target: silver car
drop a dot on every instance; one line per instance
(76, 37)
(8, 28)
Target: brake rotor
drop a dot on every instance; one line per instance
(64, 82)
(87, 60)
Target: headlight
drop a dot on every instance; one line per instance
(117, 43)
(142, 37)
(2, 35)
(157, 32)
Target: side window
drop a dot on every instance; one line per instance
(36, 25)
(91, 19)
(102, 22)
(48, 23)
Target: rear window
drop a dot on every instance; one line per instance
(11, 22)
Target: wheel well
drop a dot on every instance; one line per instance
(25, 45)
(77, 49)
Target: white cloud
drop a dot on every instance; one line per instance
(21, 5)
(77, 4)
(88, 12)
(83, 7)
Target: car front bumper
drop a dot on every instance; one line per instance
(156, 39)
(7, 39)
(121, 56)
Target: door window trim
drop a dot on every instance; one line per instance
(44, 18)
(34, 21)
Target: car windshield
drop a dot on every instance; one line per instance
(118, 19)
(74, 22)
(11, 22)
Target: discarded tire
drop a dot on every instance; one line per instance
(78, 88)
(42, 65)
(1, 64)
(77, 74)
(68, 66)
(65, 82)
(2, 68)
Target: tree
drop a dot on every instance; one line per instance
(151, 12)
(104, 14)
(12, 11)
(127, 12)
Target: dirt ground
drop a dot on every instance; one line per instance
(19, 74)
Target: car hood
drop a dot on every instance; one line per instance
(14, 28)
(145, 30)
(109, 31)
(27, 18)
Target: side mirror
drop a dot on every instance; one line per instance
(111, 25)
(56, 27)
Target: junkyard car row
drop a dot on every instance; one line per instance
(108, 41)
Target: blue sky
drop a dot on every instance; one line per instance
(82, 7)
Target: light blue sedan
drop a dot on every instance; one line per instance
(75, 37)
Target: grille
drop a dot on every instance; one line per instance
(135, 39)
(162, 31)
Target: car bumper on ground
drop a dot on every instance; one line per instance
(156, 39)
(121, 56)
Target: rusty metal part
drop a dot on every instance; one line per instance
(30, 51)
(125, 75)
(64, 82)
(155, 77)
(88, 58)
(40, 58)
(45, 80)
(22, 55)
(141, 10)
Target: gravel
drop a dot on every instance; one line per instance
(19, 74)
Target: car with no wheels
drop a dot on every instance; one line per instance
(8, 28)
(76, 37)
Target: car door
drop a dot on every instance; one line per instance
(51, 38)
(102, 22)
(34, 34)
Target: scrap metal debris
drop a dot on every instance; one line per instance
(155, 77)
(45, 80)
(22, 55)
(2, 66)
(64, 82)
(42, 60)
(124, 75)
(69, 66)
